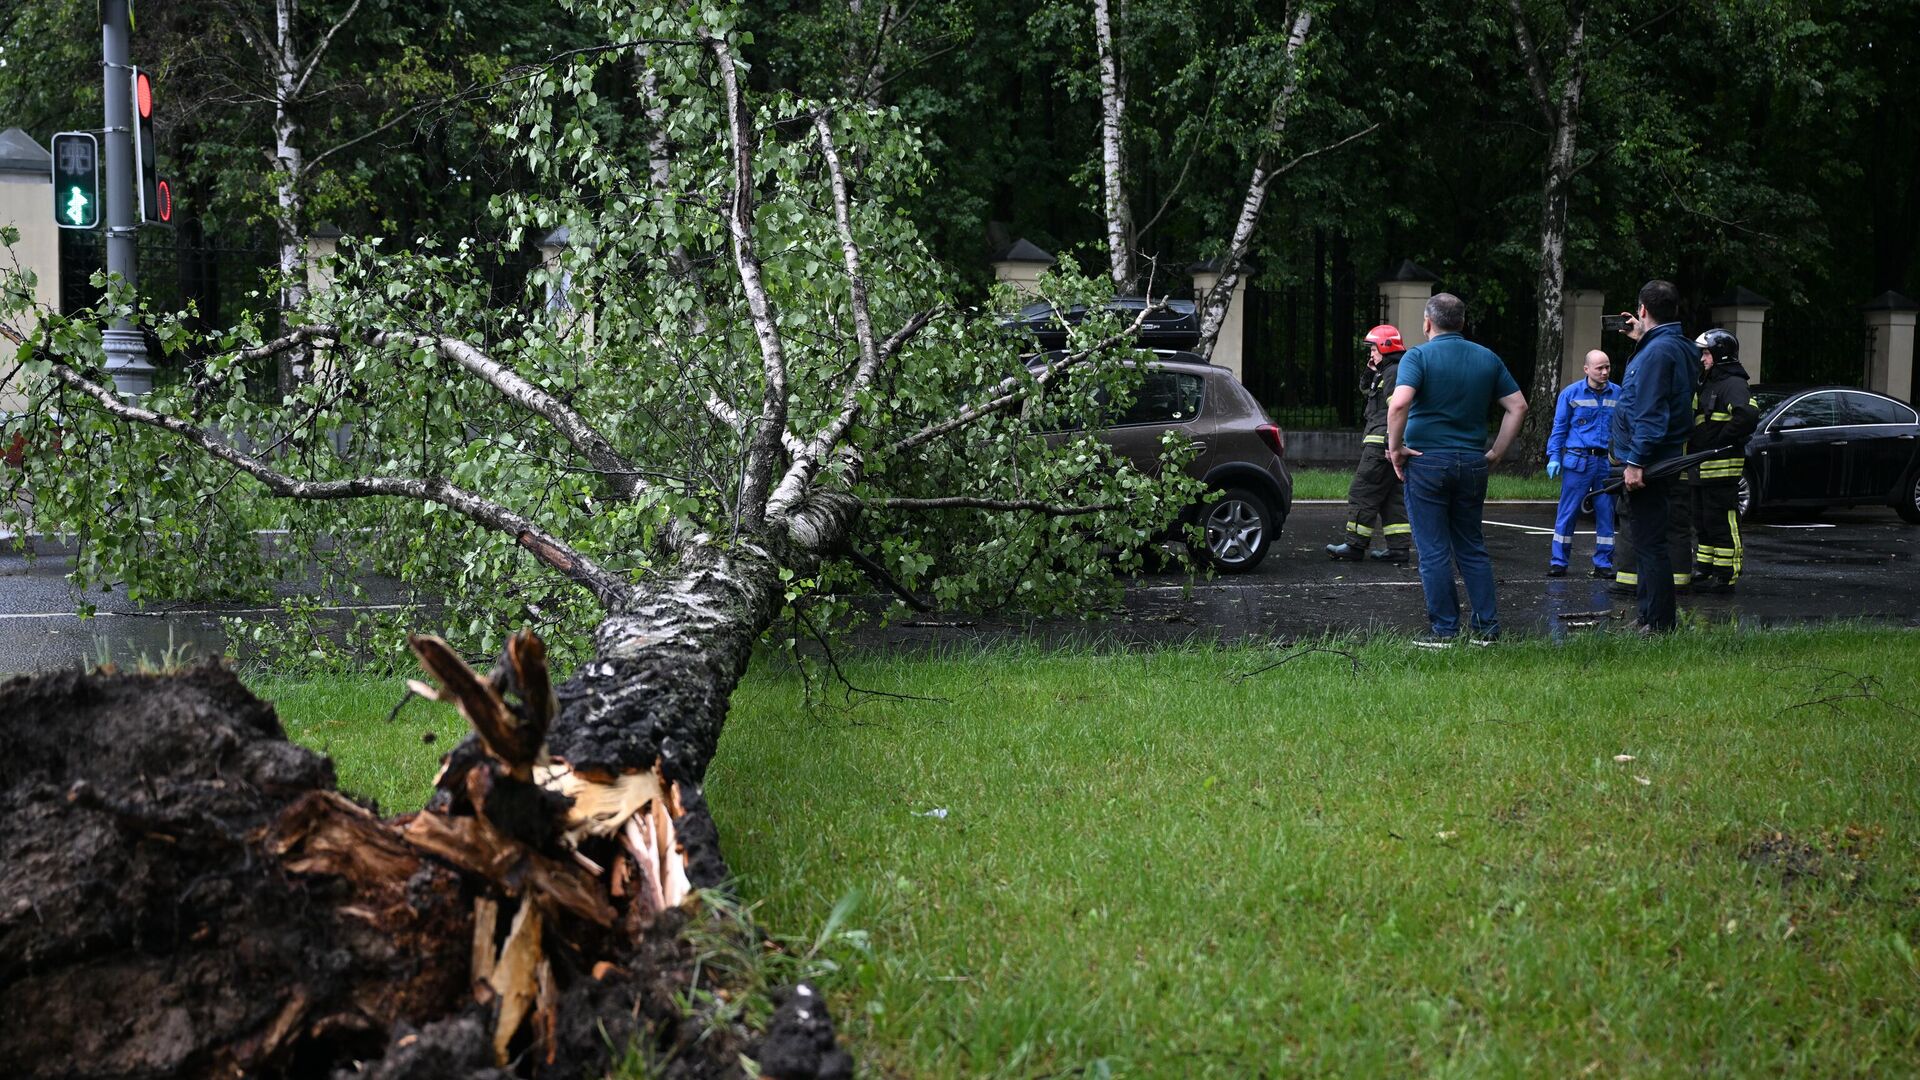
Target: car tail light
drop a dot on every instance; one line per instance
(1274, 438)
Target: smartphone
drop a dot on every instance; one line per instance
(1615, 323)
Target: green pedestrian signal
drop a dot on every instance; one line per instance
(76, 180)
(79, 207)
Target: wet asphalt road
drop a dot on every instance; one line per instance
(1848, 564)
(1859, 564)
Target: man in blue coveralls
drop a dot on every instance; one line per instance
(1577, 454)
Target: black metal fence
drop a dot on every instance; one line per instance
(222, 280)
(1803, 346)
(1301, 355)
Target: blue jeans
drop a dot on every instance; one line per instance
(1446, 492)
(1583, 473)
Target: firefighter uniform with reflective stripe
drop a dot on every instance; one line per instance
(1376, 510)
(1582, 426)
(1725, 414)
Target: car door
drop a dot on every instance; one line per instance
(1880, 439)
(1799, 461)
(1165, 401)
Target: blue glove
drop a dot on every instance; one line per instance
(1553, 468)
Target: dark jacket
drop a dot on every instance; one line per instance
(1378, 388)
(1655, 412)
(1724, 414)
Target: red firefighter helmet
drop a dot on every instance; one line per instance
(1386, 338)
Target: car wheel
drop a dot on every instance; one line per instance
(1743, 502)
(1240, 527)
(1909, 503)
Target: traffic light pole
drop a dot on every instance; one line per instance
(126, 347)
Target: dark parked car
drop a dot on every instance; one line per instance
(1833, 446)
(1241, 455)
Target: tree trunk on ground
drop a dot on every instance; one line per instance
(183, 893)
(1563, 118)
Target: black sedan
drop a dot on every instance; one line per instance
(1833, 446)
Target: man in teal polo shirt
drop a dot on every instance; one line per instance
(1437, 438)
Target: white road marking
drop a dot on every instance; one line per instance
(1810, 525)
(1267, 585)
(1533, 529)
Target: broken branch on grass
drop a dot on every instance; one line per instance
(1352, 660)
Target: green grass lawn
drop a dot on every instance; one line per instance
(1332, 484)
(1150, 865)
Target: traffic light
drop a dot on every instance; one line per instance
(76, 180)
(155, 194)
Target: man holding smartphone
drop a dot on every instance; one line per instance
(1650, 425)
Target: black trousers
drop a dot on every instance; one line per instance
(1651, 511)
(1716, 519)
(1678, 530)
(1376, 509)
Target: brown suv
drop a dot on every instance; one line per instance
(1241, 455)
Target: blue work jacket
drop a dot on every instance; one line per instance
(1582, 418)
(1655, 412)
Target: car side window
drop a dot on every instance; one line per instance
(1867, 409)
(1812, 411)
(1165, 397)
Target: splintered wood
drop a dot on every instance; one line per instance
(641, 865)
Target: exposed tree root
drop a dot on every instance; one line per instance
(184, 893)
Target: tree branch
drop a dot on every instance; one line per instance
(1214, 308)
(607, 587)
(1289, 166)
(878, 574)
(1536, 67)
(1011, 392)
(968, 502)
(807, 462)
(320, 50)
(573, 427)
(764, 443)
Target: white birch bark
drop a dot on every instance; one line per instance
(1214, 307)
(1562, 113)
(1113, 158)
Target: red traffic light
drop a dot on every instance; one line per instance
(143, 95)
(164, 192)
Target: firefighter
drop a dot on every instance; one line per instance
(1725, 414)
(1577, 456)
(1375, 509)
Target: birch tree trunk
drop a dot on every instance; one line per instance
(1113, 157)
(1213, 307)
(1562, 112)
(288, 169)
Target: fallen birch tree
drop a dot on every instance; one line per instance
(742, 378)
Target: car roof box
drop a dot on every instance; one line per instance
(1175, 324)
